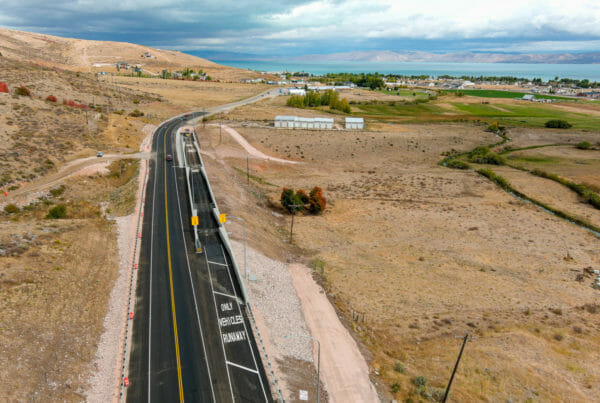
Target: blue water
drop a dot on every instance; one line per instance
(543, 71)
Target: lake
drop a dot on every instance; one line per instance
(543, 71)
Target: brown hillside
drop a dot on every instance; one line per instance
(93, 56)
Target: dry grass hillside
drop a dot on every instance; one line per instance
(415, 255)
(37, 135)
(92, 56)
(54, 280)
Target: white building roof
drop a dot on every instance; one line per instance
(297, 119)
(355, 120)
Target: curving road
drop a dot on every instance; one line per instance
(191, 337)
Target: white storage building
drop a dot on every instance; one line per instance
(355, 123)
(294, 122)
(297, 91)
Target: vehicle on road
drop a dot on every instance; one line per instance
(99, 154)
(169, 157)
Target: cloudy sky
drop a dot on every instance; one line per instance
(292, 28)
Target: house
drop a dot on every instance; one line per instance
(528, 97)
(123, 66)
(355, 124)
(294, 122)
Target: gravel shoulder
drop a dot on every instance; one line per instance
(105, 382)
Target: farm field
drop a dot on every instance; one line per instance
(451, 109)
(501, 94)
(415, 255)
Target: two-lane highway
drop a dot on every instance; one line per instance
(191, 336)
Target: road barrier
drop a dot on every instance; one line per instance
(124, 380)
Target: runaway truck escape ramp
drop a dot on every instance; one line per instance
(194, 171)
(189, 152)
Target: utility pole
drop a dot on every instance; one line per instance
(293, 211)
(455, 367)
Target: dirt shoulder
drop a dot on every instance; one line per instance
(343, 368)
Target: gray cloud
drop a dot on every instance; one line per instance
(313, 26)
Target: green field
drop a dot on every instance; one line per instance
(406, 92)
(411, 110)
(528, 115)
(525, 114)
(500, 94)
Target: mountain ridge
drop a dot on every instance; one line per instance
(387, 56)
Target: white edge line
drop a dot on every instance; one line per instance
(245, 328)
(220, 332)
(193, 290)
(233, 364)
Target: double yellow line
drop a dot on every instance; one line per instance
(171, 277)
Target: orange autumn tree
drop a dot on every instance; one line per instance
(317, 202)
(314, 202)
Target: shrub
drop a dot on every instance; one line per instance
(57, 191)
(136, 113)
(400, 368)
(11, 209)
(51, 98)
(483, 155)
(584, 145)
(494, 127)
(58, 211)
(395, 388)
(136, 101)
(457, 164)
(73, 104)
(3, 87)
(558, 124)
(22, 91)
(420, 381)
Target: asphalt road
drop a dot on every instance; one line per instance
(192, 340)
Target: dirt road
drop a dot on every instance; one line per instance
(82, 166)
(343, 368)
(251, 150)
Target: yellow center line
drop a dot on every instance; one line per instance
(171, 278)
